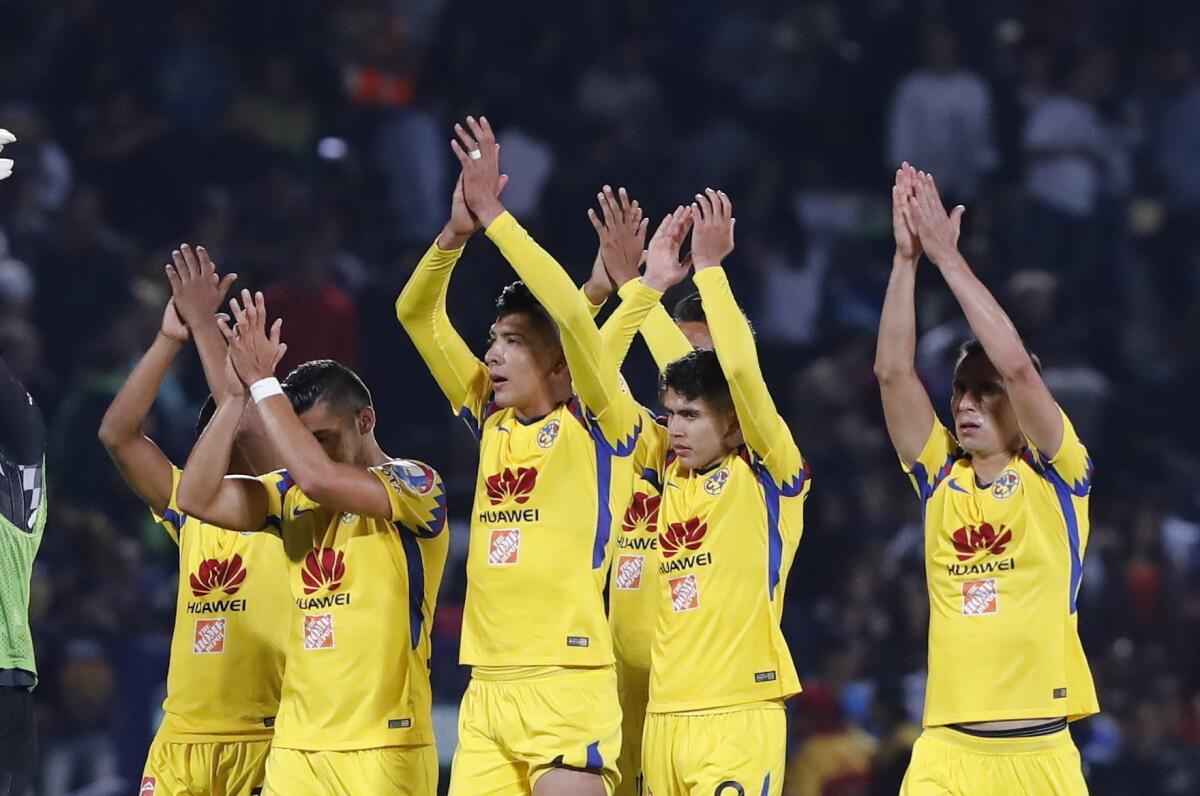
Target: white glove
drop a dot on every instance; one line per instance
(6, 165)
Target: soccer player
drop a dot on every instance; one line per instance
(730, 520)
(22, 520)
(556, 432)
(227, 646)
(363, 535)
(1005, 502)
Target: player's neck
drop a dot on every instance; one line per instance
(988, 466)
(373, 454)
(539, 407)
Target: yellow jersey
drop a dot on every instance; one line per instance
(227, 648)
(549, 491)
(727, 538)
(1003, 563)
(363, 593)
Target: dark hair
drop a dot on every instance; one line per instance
(329, 381)
(690, 309)
(698, 375)
(516, 298)
(206, 414)
(974, 348)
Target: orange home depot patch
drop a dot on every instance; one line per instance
(210, 638)
(147, 788)
(318, 631)
(629, 572)
(980, 597)
(505, 547)
(685, 593)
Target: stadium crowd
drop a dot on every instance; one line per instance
(303, 144)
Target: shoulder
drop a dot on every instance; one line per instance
(409, 475)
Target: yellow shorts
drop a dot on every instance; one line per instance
(232, 768)
(633, 689)
(739, 751)
(399, 770)
(946, 762)
(511, 732)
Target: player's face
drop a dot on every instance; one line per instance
(697, 334)
(340, 433)
(524, 365)
(701, 434)
(984, 420)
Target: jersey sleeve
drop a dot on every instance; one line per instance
(281, 492)
(766, 433)
(663, 338)
(172, 518)
(935, 460)
(421, 309)
(609, 407)
(1071, 465)
(417, 495)
(631, 314)
(594, 309)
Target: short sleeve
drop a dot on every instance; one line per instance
(172, 518)
(417, 496)
(277, 485)
(933, 464)
(1071, 464)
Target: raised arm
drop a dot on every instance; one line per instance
(907, 410)
(1039, 416)
(764, 430)
(338, 485)
(421, 310)
(594, 376)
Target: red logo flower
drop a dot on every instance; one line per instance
(643, 511)
(687, 535)
(969, 540)
(323, 567)
(506, 485)
(214, 574)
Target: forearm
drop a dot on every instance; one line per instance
(127, 413)
(896, 348)
(629, 316)
(304, 458)
(987, 319)
(210, 345)
(208, 462)
(663, 337)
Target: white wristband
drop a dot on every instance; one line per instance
(265, 388)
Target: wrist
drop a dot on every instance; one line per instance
(450, 239)
(904, 259)
(654, 283)
(263, 388)
(700, 263)
(487, 212)
(171, 340)
(596, 293)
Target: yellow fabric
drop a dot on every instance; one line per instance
(511, 733)
(632, 315)
(633, 690)
(1002, 577)
(398, 770)
(946, 762)
(663, 337)
(364, 592)
(235, 768)
(727, 753)
(830, 757)
(227, 648)
(727, 538)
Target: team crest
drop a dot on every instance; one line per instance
(406, 476)
(1004, 486)
(548, 433)
(715, 484)
(348, 518)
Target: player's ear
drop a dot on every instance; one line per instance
(366, 420)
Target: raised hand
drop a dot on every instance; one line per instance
(712, 230)
(6, 164)
(664, 269)
(173, 327)
(937, 231)
(479, 155)
(253, 350)
(621, 228)
(197, 289)
(908, 244)
(463, 223)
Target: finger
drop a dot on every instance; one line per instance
(909, 208)
(459, 153)
(180, 266)
(207, 266)
(595, 219)
(714, 202)
(956, 219)
(501, 183)
(618, 213)
(279, 352)
(623, 195)
(189, 257)
(276, 328)
(726, 205)
(173, 278)
(486, 135)
(223, 325)
(704, 207)
(605, 209)
(642, 229)
(476, 129)
(239, 315)
(686, 262)
(468, 141)
(226, 283)
(260, 306)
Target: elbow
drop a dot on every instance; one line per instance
(188, 501)
(316, 482)
(1022, 371)
(111, 434)
(406, 311)
(891, 372)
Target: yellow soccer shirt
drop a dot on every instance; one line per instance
(227, 648)
(727, 537)
(1003, 565)
(363, 595)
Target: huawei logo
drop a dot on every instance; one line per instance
(642, 513)
(970, 540)
(506, 485)
(214, 574)
(323, 568)
(686, 535)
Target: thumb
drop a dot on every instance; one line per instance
(225, 283)
(501, 183)
(956, 218)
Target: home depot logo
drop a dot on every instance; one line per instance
(318, 631)
(980, 597)
(147, 788)
(629, 571)
(210, 636)
(985, 544)
(323, 570)
(505, 547)
(215, 577)
(642, 513)
(685, 593)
